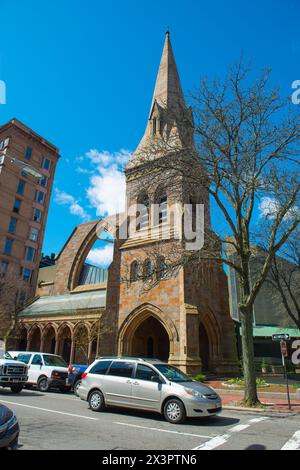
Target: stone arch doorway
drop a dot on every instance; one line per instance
(49, 340)
(81, 344)
(149, 339)
(22, 342)
(204, 347)
(35, 340)
(65, 343)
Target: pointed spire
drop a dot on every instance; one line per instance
(168, 91)
(169, 116)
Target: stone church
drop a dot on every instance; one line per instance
(183, 317)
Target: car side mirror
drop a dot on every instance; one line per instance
(155, 378)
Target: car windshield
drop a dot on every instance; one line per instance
(172, 373)
(54, 361)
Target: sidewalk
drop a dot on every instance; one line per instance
(274, 398)
(271, 404)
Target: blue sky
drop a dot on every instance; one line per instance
(82, 75)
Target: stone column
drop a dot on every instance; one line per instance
(72, 353)
(90, 351)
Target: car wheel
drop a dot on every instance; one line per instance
(76, 386)
(14, 445)
(174, 411)
(16, 388)
(96, 401)
(42, 384)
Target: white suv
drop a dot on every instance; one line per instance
(44, 370)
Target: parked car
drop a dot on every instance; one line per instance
(147, 385)
(13, 374)
(44, 370)
(75, 372)
(9, 429)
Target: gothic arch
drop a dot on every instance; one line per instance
(136, 318)
(75, 251)
(214, 334)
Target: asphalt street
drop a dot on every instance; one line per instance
(62, 421)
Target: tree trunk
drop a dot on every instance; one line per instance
(250, 397)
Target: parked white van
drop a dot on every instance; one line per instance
(44, 370)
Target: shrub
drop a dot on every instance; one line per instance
(199, 377)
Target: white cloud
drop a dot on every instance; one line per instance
(106, 192)
(65, 199)
(101, 256)
(269, 208)
(105, 158)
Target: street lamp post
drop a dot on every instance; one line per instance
(25, 167)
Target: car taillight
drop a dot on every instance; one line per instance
(70, 368)
(84, 375)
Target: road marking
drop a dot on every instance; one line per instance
(293, 443)
(161, 430)
(222, 439)
(49, 411)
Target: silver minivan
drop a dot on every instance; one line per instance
(147, 384)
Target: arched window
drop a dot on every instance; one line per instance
(154, 126)
(163, 209)
(161, 268)
(142, 215)
(147, 269)
(134, 271)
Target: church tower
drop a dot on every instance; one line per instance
(180, 316)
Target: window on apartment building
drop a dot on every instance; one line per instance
(12, 225)
(37, 215)
(26, 274)
(3, 267)
(39, 196)
(17, 206)
(30, 252)
(20, 188)
(44, 181)
(28, 153)
(8, 247)
(33, 234)
(46, 164)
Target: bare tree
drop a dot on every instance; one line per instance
(83, 338)
(245, 158)
(11, 300)
(284, 276)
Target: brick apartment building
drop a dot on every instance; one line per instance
(27, 168)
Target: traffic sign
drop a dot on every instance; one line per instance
(284, 349)
(281, 337)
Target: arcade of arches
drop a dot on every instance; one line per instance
(76, 343)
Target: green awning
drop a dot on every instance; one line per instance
(268, 331)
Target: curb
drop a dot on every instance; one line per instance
(257, 410)
(225, 392)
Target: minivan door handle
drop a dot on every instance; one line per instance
(136, 383)
(128, 381)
